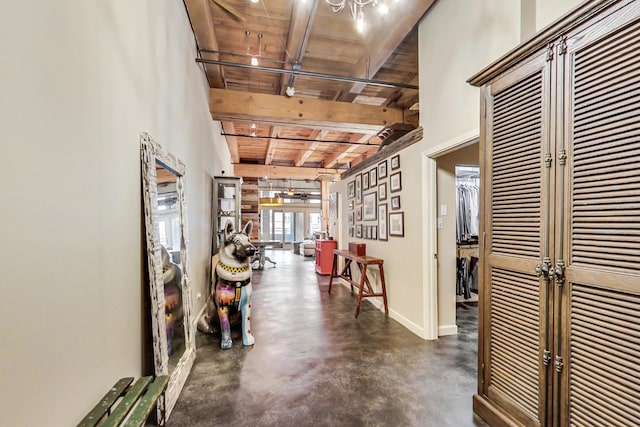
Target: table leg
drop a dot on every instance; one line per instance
(363, 277)
(384, 290)
(334, 270)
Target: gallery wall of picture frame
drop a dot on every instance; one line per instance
(367, 217)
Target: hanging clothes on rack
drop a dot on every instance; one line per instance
(467, 270)
(467, 209)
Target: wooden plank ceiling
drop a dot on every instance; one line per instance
(341, 101)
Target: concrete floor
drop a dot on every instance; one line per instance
(314, 364)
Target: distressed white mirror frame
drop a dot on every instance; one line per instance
(153, 154)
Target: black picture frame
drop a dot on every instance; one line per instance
(396, 224)
(395, 162)
(382, 222)
(359, 230)
(358, 189)
(395, 182)
(369, 206)
(373, 177)
(395, 203)
(365, 181)
(382, 191)
(351, 190)
(382, 169)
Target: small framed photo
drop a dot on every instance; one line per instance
(358, 189)
(382, 221)
(351, 190)
(350, 218)
(395, 182)
(373, 177)
(382, 191)
(395, 203)
(395, 162)
(396, 224)
(366, 232)
(382, 169)
(365, 181)
(369, 208)
(374, 232)
(350, 231)
(359, 230)
(359, 213)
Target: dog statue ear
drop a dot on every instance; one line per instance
(228, 229)
(247, 228)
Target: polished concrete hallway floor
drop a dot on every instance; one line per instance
(314, 364)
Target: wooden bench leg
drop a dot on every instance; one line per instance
(384, 290)
(334, 270)
(363, 278)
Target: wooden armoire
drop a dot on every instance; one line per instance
(559, 332)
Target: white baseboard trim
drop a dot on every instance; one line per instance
(447, 330)
(379, 304)
(416, 329)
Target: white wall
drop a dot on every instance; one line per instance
(548, 11)
(446, 177)
(79, 82)
(457, 39)
(402, 256)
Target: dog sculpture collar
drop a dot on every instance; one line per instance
(234, 269)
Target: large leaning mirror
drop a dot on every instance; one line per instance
(167, 258)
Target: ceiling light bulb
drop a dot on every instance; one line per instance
(255, 1)
(253, 125)
(360, 22)
(254, 61)
(383, 9)
(253, 134)
(290, 91)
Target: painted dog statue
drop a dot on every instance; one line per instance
(232, 289)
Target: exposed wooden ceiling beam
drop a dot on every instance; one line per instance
(279, 110)
(302, 15)
(202, 22)
(232, 142)
(273, 144)
(332, 160)
(406, 15)
(304, 155)
(282, 172)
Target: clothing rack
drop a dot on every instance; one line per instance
(467, 203)
(467, 257)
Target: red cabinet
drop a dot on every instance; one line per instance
(324, 255)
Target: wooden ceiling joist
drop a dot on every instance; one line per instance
(407, 15)
(202, 22)
(303, 155)
(335, 158)
(320, 114)
(282, 172)
(230, 129)
(273, 144)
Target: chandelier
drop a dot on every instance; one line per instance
(356, 6)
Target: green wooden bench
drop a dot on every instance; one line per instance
(136, 400)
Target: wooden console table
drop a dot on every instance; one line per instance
(365, 290)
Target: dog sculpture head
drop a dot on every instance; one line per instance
(236, 243)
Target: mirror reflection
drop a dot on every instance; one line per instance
(167, 259)
(169, 236)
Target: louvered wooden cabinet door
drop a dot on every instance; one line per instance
(517, 198)
(599, 383)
